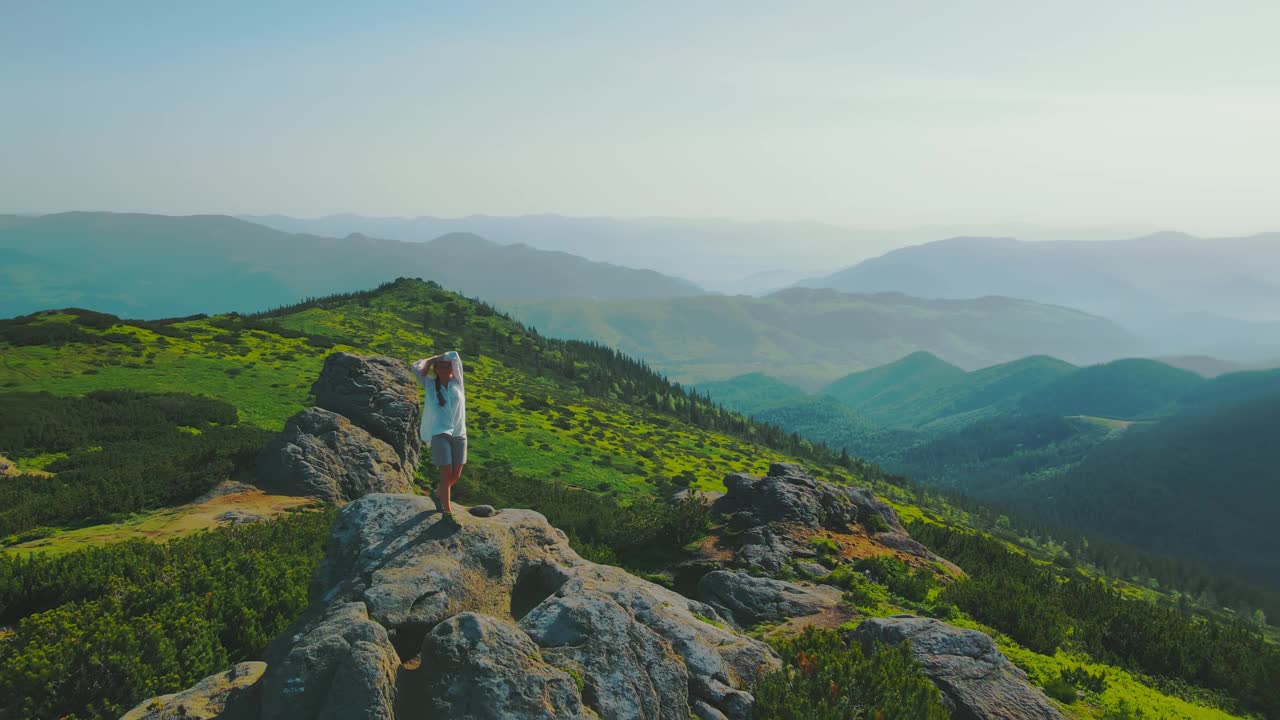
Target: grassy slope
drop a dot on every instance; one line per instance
(267, 376)
(271, 381)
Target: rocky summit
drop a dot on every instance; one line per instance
(362, 436)
(495, 617)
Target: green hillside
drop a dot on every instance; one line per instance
(592, 439)
(752, 392)
(1133, 450)
(1127, 389)
(162, 266)
(889, 392)
(1204, 486)
(815, 336)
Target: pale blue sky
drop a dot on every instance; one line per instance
(867, 114)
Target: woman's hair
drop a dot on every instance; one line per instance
(439, 392)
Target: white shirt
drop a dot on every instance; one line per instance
(447, 419)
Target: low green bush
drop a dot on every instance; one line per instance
(824, 678)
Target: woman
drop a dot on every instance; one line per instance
(444, 421)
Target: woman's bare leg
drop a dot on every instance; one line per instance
(442, 490)
(454, 474)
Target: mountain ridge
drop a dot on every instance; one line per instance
(144, 265)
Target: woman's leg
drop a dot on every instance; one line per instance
(442, 490)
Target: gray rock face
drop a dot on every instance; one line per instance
(377, 393)
(476, 666)
(976, 679)
(791, 496)
(454, 602)
(763, 550)
(323, 454)
(336, 664)
(229, 695)
(748, 600)
(362, 437)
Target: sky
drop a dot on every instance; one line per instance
(865, 114)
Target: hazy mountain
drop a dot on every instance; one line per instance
(752, 392)
(1192, 295)
(808, 337)
(922, 390)
(156, 265)
(735, 257)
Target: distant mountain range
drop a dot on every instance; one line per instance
(1185, 294)
(1135, 450)
(154, 265)
(727, 256)
(813, 336)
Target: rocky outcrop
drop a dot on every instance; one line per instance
(790, 497)
(229, 695)
(377, 393)
(788, 494)
(975, 678)
(361, 437)
(337, 664)
(322, 454)
(486, 668)
(495, 617)
(748, 600)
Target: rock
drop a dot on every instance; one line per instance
(483, 511)
(748, 600)
(640, 649)
(791, 496)
(377, 393)
(811, 570)
(762, 550)
(323, 454)
(229, 695)
(788, 494)
(976, 679)
(339, 664)
(239, 517)
(476, 666)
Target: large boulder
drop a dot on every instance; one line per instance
(477, 666)
(975, 678)
(493, 614)
(323, 454)
(336, 663)
(377, 393)
(228, 695)
(789, 496)
(749, 600)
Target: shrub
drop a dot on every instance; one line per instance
(877, 524)
(1061, 690)
(137, 619)
(823, 678)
